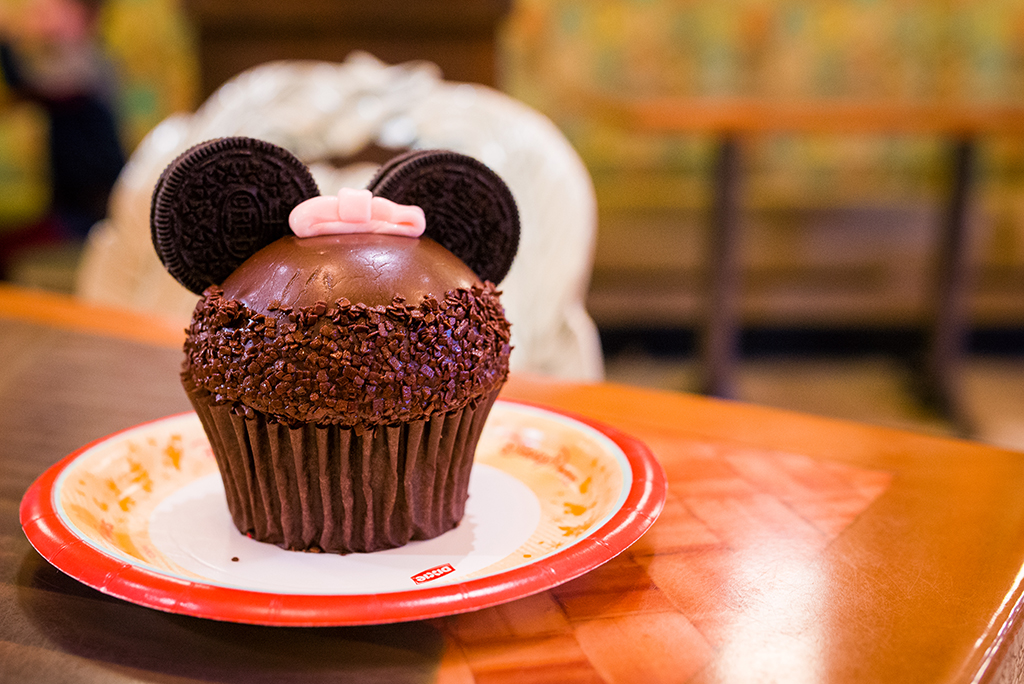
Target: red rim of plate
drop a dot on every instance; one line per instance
(71, 554)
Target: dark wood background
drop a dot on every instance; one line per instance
(457, 35)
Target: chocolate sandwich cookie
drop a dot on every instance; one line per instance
(469, 209)
(220, 202)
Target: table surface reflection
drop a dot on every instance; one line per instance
(791, 548)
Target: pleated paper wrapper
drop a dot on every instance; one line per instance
(342, 490)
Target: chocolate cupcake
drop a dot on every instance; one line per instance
(344, 379)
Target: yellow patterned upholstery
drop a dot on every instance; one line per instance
(152, 51)
(969, 52)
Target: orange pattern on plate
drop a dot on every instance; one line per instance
(570, 469)
(112, 489)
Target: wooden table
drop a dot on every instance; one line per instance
(731, 121)
(791, 549)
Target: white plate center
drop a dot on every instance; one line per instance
(192, 528)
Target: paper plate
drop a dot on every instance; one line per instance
(141, 515)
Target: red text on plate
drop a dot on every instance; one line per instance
(433, 573)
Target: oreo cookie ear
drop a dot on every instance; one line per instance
(469, 209)
(222, 201)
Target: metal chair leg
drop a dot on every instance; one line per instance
(720, 336)
(941, 372)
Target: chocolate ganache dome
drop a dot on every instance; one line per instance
(352, 330)
(366, 268)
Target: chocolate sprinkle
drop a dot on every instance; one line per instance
(349, 364)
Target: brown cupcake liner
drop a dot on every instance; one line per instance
(337, 489)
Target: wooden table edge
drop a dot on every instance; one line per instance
(759, 116)
(65, 312)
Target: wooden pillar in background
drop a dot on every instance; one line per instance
(457, 35)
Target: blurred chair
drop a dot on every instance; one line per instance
(340, 119)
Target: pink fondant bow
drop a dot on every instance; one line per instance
(355, 211)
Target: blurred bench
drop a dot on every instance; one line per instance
(731, 121)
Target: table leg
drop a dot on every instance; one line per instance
(942, 369)
(719, 336)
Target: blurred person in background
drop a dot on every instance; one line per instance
(51, 54)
